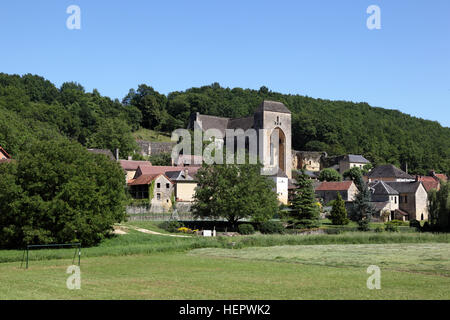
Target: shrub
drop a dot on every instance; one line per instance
(271, 227)
(399, 223)
(414, 224)
(379, 229)
(391, 227)
(171, 226)
(246, 229)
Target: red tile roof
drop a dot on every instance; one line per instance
(442, 176)
(133, 165)
(334, 186)
(146, 169)
(145, 179)
(429, 182)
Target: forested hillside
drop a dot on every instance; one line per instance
(33, 108)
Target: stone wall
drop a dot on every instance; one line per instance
(149, 148)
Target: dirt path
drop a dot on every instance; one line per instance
(157, 233)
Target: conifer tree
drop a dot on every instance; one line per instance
(304, 209)
(338, 212)
(362, 210)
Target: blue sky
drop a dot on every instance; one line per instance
(322, 49)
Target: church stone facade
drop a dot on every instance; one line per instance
(275, 118)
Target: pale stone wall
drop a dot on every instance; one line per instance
(421, 203)
(271, 121)
(185, 191)
(281, 189)
(164, 192)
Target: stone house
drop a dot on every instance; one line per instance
(185, 185)
(389, 172)
(281, 185)
(327, 191)
(413, 199)
(160, 184)
(385, 200)
(309, 160)
(352, 160)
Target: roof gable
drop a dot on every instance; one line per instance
(273, 106)
(335, 186)
(388, 170)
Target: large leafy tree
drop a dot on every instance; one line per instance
(234, 192)
(57, 192)
(329, 174)
(304, 209)
(113, 134)
(439, 207)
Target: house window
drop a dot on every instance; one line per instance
(406, 199)
(158, 196)
(395, 198)
(158, 185)
(421, 217)
(167, 185)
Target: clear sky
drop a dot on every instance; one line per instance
(319, 48)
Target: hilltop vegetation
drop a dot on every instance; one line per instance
(33, 108)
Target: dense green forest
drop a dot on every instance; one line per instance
(33, 108)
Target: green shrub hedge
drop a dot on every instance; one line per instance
(246, 229)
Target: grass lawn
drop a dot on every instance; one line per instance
(296, 272)
(144, 266)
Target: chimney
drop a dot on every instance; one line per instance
(130, 158)
(417, 178)
(117, 154)
(406, 167)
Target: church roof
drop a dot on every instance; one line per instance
(273, 106)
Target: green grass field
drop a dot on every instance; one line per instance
(151, 135)
(143, 266)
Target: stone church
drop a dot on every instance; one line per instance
(272, 116)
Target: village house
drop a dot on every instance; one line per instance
(158, 188)
(389, 172)
(327, 191)
(413, 199)
(169, 183)
(281, 186)
(385, 200)
(350, 161)
(433, 180)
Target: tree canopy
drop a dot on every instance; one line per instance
(58, 192)
(234, 192)
(30, 104)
